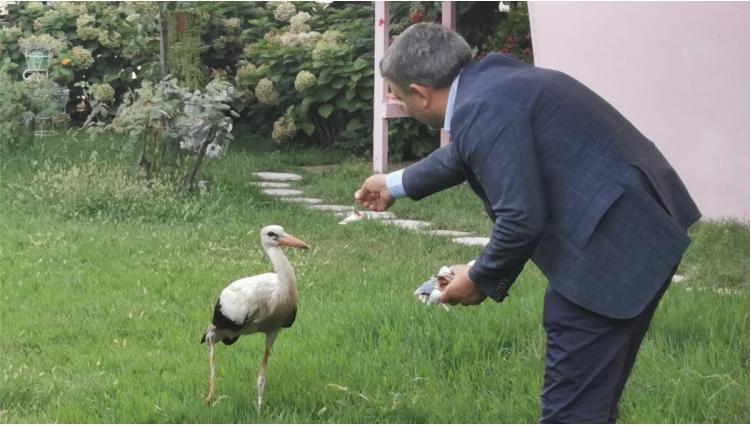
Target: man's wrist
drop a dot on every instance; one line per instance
(394, 184)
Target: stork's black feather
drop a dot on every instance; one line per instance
(223, 322)
(290, 319)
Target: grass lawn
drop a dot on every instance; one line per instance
(103, 301)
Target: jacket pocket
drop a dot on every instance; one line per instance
(603, 199)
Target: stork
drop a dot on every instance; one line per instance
(264, 303)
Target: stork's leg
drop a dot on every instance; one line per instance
(210, 339)
(270, 337)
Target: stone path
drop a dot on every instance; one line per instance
(279, 184)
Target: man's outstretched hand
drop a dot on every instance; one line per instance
(374, 194)
(461, 289)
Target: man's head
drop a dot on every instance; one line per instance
(420, 66)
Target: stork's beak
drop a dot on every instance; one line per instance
(289, 240)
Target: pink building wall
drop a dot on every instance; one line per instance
(678, 70)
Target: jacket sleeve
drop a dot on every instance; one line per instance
(440, 170)
(497, 143)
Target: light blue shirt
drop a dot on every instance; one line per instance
(394, 180)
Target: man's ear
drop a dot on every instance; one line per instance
(423, 94)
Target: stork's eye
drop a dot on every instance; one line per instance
(271, 234)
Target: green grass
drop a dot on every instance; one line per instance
(101, 313)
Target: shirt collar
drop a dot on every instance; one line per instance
(450, 104)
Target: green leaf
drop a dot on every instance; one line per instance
(325, 79)
(325, 110)
(351, 94)
(308, 128)
(365, 93)
(348, 105)
(327, 93)
(353, 125)
(339, 83)
(355, 77)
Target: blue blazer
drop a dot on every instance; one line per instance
(568, 182)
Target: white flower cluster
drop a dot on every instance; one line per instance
(265, 92)
(284, 11)
(81, 58)
(298, 23)
(110, 39)
(330, 45)
(231, 24)
(304, 81)
(75, 8)
(143, 7)
(85, 20)
(298, 39)
(103, 92)
(10, 34)
(284, 129)
(244, 71)
(87, 32)
(247, 49)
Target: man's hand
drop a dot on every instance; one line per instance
(374, 194)
(462, 290)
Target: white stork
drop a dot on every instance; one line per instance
(264, 303)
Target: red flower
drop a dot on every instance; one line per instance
(415, 18)
(529, 36)
(504, 50)
(527, 52)
(481, 55)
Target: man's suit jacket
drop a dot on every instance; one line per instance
(569, 183)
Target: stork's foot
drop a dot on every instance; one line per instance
(207, 400)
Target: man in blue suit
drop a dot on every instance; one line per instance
(569, 183)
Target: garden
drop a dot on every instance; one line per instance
(113, 253)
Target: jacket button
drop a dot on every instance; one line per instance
(503, 287)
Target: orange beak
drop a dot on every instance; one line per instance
(289, 240)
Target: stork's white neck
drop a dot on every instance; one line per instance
(282, 267)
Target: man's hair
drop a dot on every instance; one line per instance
(427, 54)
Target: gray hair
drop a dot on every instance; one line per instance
(427, 54)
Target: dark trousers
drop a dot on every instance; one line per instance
(588, 359)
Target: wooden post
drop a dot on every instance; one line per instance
(448, 20)
(383, 106)
(380, 123)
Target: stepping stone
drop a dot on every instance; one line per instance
(721, 291)
(284, 177)
(304, 200)
(472, 241)
(408, 224)
(372, 215)
(282, 192)
(447, 233)
(270, 184)
(332, 207)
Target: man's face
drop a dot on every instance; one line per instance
(417, 104)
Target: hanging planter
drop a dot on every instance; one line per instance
(38, 60)
(39, 49)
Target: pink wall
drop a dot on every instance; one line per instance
(678, 70)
